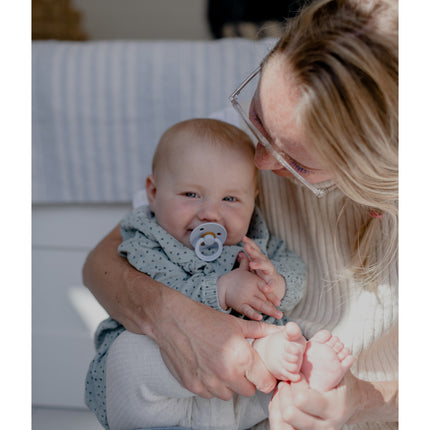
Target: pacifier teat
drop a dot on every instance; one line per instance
(207, 240)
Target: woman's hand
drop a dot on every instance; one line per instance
(297, 406)
(204, 349)
(207, 351)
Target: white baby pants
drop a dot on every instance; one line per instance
(141, 393)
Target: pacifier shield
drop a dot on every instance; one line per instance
(207, 240)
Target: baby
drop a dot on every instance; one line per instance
(203, 172)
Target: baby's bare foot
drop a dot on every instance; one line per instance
(282, 352)
(325, 361)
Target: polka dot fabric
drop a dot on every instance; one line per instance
(153, 251)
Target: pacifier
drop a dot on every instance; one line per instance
(207, 240)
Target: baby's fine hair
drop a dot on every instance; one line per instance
(210, 132)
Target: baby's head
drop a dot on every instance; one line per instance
(203, 171)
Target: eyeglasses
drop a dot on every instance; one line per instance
(241, 98)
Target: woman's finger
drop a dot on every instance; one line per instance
(275, 411)
(258, 374)
(286, 415)
(309, 401)
(202, 388)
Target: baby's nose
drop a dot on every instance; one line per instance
(210, 212)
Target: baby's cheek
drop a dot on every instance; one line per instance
(237, 223)
(235, 237)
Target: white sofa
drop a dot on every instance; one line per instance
(98, 110)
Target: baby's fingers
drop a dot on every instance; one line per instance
(260, 305)
(269, 309)
(272, 297)
(249, 312)
(243, 261)
(261, 262)
(251, 248)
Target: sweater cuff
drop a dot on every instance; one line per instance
(295, 281)
(210, 293)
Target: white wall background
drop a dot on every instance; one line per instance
(144, 19)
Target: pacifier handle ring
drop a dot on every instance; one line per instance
(211, 257)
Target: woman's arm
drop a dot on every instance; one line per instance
(204, 349)
(353, 401)
(379, 402)
(106, 275)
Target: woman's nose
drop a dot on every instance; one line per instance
(264, 160)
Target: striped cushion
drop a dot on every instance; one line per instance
(99, 108)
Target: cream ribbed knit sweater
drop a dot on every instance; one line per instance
(366, 321)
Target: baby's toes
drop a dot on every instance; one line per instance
(347, 362)
(335, 344)
(290, 372)
(345, 352)
(345, 357)
(322, 336)
(292, 365)
(292, 349)
(293, 332)
(293, 377)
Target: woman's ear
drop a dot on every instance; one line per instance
(151, 190)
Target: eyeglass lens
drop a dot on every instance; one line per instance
(244, 98)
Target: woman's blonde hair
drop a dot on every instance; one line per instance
(343, 56)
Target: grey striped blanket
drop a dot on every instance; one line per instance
(99, 108)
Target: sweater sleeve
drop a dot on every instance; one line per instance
(147, 256)
(292, 268)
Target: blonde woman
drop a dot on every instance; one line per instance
(325, 115)
(330, 87)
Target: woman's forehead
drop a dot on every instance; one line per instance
(278, 105)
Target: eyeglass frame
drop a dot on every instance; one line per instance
(318, 192)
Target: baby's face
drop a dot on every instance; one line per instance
(204, 184)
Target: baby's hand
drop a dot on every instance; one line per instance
(274, 284)
(240, 290)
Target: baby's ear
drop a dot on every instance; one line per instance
(151, 189)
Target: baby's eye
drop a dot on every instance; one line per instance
(230, 199)
(190, 194)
